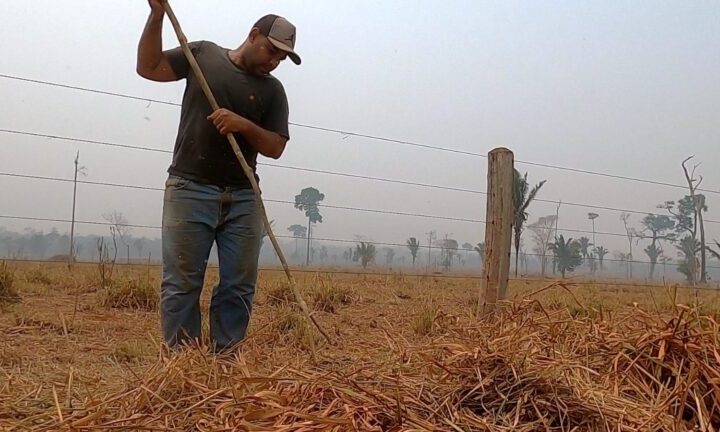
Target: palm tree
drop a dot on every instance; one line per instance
(567, 254)
(585, 244)
(365, 252)
(307, 201)
(522, 197)
(414, 246)
(600, 251)
(298, 231)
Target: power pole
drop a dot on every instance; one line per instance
(71, 254)
(431, 236)
(81, 170)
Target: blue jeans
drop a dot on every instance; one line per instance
(194, 217)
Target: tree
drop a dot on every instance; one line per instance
(389, 256)
(307, 201)
(414, 246)
(449, 247)
(592, 217)
(715, 252)
(653, 252)
(37, 243)
(542, 231)
(624, 259)
(298, 232)
(685, 212)
(567, 254)
(323, 254)
(688, 248)
(480, 249)
(656, 228)
(119, 226)
(630, 233)
(600, 251)
(585, 244)
(522, 197)
(699, 206)
(365, 253)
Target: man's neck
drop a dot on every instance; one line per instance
(237, 58)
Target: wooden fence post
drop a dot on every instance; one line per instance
(498, 229)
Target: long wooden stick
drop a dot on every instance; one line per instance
(246, 168)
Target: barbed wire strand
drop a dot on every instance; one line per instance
(329, 206)
(422, 248)
(400, 273)
(342, 174)
(374, 137)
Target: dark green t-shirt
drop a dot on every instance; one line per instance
(201, 153)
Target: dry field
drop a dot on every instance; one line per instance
(407, 354)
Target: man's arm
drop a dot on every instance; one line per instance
(267, 143)
(151, 61)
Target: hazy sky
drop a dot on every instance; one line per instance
(628, 88)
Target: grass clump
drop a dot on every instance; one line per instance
(328, 297)
(424, 321)
(38, 275)
(129, 352)
(140, 293)
(8, 293)
(279, 294)
(293, 325)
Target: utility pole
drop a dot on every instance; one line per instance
(71, 254)
(431, 236)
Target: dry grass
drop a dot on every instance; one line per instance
(556, 358)
(424, 321)
(131, 352)
(329, 295)
(8, 293)
(38, 275)
(277, 293)
(134, 293)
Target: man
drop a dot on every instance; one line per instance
(208, 199)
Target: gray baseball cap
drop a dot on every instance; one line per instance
(281, 33)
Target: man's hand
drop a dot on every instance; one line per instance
(227, 121)
(156, 7)
(265, 142)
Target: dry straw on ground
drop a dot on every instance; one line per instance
(530, 368)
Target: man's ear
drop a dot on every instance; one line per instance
(253, 35)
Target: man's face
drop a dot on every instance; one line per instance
(263, 57)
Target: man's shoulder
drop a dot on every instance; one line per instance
(206, 46)
(274, 83)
